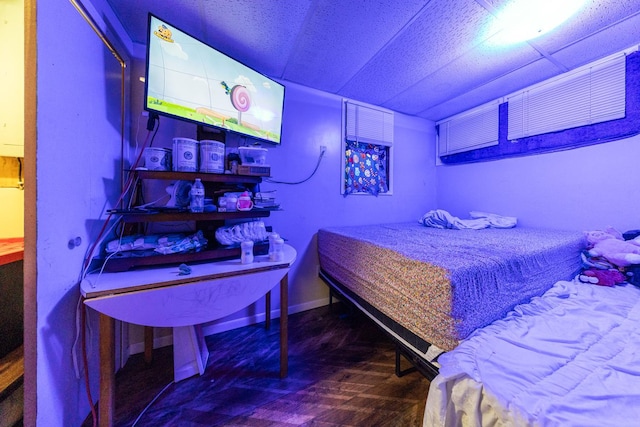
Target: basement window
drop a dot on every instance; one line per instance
(367, 147)
(590, 105)
(473, 129)
(590, 95)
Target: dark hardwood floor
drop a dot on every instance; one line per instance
(341, 373)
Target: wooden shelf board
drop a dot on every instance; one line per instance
(205, 177)
(188, 216)
(115, 264)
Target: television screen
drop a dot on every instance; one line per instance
(190, 80)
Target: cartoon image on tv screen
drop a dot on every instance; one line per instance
(188, 79)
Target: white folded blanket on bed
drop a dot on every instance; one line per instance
(568, 358)
(442, 219)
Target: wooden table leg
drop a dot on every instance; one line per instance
(284, 333)
(267, 310)
(106, 401)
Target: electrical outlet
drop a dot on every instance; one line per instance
(323, 149)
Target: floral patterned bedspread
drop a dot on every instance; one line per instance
(442, 284)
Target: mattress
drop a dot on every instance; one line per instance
(568, 358)
(441, 284)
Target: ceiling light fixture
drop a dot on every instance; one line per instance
(522, 20)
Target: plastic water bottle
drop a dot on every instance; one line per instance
(197, 196)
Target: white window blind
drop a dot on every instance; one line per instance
(368, 124)
(471, 130)
(590, 95)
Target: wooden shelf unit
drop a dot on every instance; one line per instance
(208, 222)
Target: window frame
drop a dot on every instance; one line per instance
(388, 145)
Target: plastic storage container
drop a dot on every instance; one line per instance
(253, 155)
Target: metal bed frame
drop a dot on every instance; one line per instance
(407, 344)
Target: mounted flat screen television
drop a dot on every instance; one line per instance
(189, 80)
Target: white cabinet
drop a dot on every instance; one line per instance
(12, 78)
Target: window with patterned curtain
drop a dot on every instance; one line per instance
(367, 143)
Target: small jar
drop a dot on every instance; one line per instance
(246, 255)
(232, 202)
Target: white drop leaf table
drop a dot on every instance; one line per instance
(162, 297)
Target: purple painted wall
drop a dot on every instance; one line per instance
(313, 118)
(585, 188)
(78, 150)
(580, 189)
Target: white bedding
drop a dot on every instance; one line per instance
(568, 358)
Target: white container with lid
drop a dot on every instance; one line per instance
(211, 156)
(157, 159)
(253, 156)
(185, 155)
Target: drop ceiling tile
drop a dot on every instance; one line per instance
(615, 38)
(594, 16)
(261, 34)
(445, 30)
(483, 64)
(339, 39)
(532, 73)
(381, 51)
(247, 30)
(133, 16)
